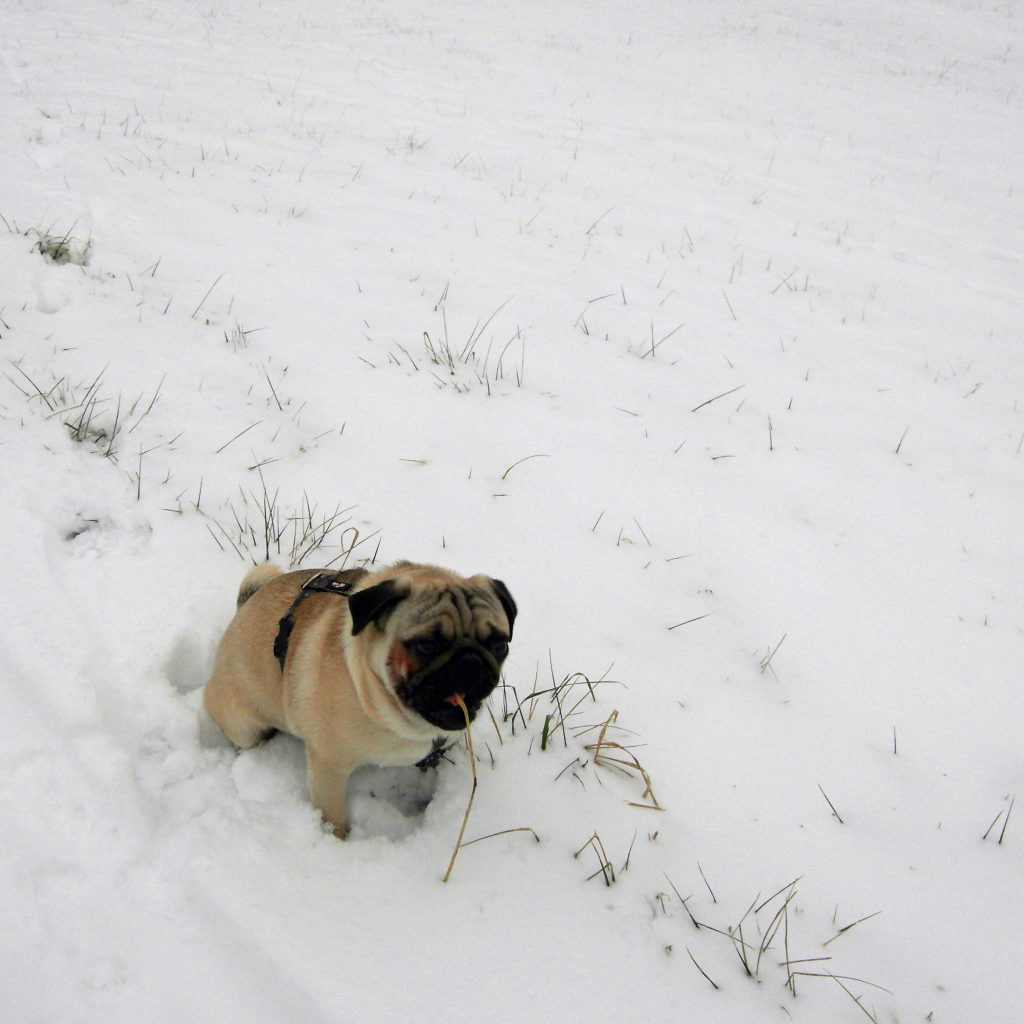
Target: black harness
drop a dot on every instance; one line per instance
(328, 583)
(321, 583)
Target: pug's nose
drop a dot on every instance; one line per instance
(468, 670)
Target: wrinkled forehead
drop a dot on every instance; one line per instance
(457, 609)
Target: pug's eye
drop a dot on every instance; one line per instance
(498, 647)
(424, 648)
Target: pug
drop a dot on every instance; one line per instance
(363, 667)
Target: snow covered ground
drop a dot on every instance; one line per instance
(698, 324)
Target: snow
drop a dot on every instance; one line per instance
(733, 299)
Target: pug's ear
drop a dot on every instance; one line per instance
(374, 604)
(506, 602)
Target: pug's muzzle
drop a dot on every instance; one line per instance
(467, 670)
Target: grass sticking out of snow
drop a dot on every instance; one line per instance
(700, 327)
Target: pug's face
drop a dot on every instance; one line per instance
(438, 638)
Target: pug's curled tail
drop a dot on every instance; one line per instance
(255, 578)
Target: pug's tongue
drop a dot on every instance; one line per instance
(455, 699)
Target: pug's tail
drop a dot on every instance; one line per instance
(255, 578)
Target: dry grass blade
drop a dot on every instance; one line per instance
(525, 458)
(767, 660)
(687, 622)
(846, 928)
(788, 885)
(472, 792)
(209, 292)
(503, 832)
(790, 980)
(1002, 831)
(695, 922)
(992, 826)
(476, 333)
(629, 853)
(773, 927)
(627, 763)
(237, 436)
(605, 868)
(45, 396)
(839, 979)
(741, 950)
(739, 943)
(701, 969)
(717, 397)
(272, 390)
(843, 977)
(714, 899)
(494, 722)
(610, 720)
(829, 802)
(577, 679)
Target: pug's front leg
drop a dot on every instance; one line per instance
(327, 781)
